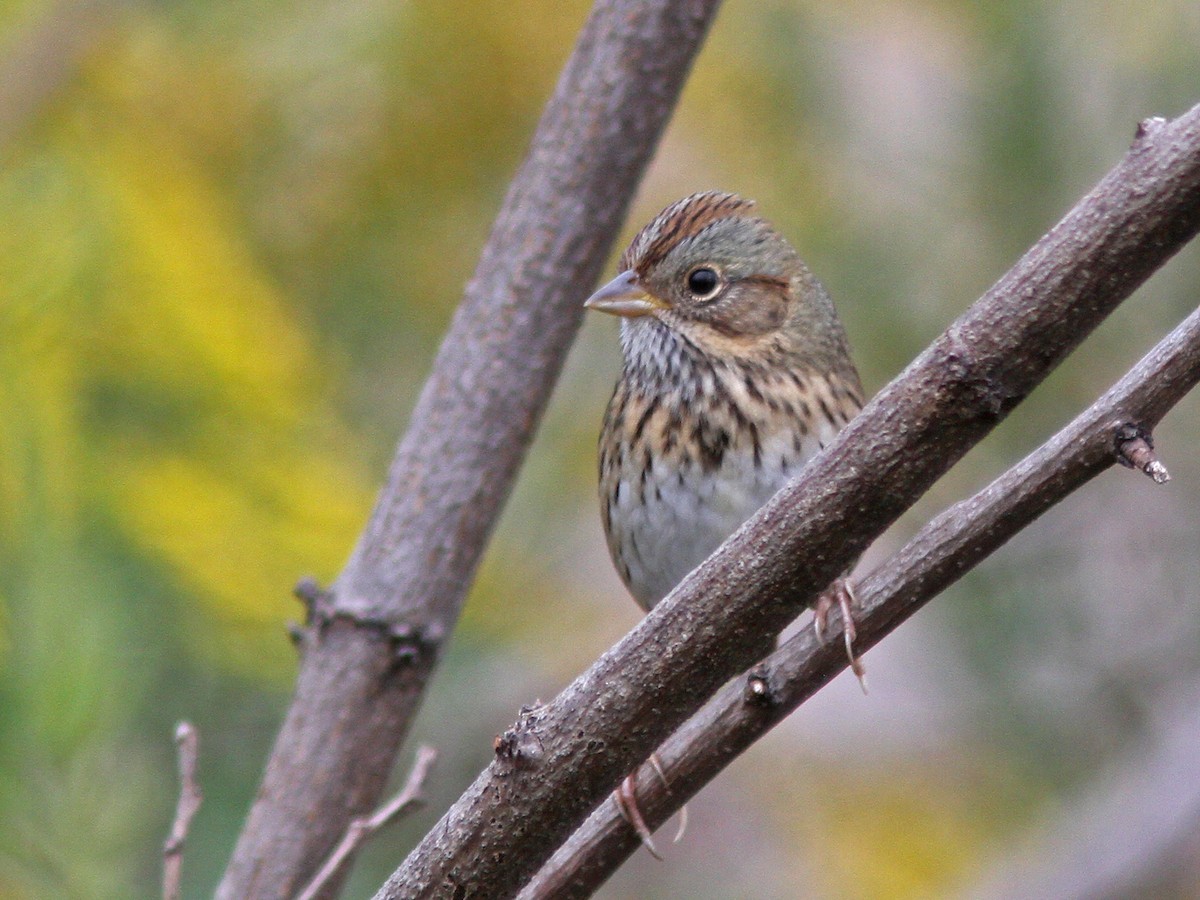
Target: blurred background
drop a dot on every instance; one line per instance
(231, 236)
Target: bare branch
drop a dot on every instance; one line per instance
(374, 639)
(720, 619)
(944, 550)
(187, 742)
(360, 830)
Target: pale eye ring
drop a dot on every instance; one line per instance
(703, 282)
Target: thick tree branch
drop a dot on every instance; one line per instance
(944, 550)
(716, 622)
(374, 638)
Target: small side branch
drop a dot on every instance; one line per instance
(187, 740)
(360, 830)
(1135, 450)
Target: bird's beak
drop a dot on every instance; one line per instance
(624, 296)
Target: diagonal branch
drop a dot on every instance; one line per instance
(943, 551)
(717, 621)
(374, 639)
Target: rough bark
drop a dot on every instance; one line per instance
(374, 638)
(560, 760)
(941, 553)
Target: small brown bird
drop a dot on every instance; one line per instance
(736, 372)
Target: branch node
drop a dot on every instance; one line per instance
(1135, 450)
(757, 691)
(318, 605)
(409, 643)
(982, 392)
(1147, 127)
(521, 744)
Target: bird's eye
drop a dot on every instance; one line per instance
(703, 282)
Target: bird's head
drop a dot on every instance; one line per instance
(711, 271)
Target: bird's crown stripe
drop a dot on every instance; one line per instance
(678, 222)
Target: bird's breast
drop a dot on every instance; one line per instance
(677, 479)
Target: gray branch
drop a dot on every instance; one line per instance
(374, 639)
(945, 549)
(562, 759)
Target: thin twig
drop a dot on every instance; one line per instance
(360, 830)
(944, 550)
(187, 742)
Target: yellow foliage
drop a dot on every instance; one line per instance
(239, 541)
(153, 375)
(186, 299)
(887, 832)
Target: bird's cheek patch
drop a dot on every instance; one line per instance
(750, 310)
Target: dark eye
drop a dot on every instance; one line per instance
(703, 282)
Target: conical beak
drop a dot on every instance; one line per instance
(624, 296)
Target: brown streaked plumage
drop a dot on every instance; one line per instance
(736, 372)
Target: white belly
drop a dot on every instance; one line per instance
(686, 514)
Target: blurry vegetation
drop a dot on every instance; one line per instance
(229, 243)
